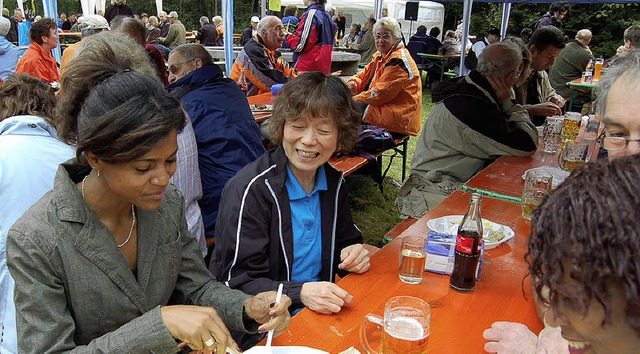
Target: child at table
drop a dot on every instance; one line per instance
(584, 264)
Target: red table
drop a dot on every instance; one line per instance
(457, 320)
(503, 177)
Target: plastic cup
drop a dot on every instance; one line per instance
(412, 259)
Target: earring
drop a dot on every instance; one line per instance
(98, 173)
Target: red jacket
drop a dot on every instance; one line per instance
(392, 88)
(39, 63)
(312, 43)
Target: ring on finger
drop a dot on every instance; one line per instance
(210, 342)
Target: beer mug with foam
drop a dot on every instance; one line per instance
(405, 327)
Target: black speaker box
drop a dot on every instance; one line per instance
(411, 11)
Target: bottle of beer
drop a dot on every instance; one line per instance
(468, 248)
(242, 82)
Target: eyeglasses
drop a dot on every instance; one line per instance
(615, 143)
(385, 36)
(517, 73)
(173, 68)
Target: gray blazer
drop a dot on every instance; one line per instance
(75, 292)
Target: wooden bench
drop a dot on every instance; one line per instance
(350, 164)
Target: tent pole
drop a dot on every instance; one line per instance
(466, 19)
(506, 12)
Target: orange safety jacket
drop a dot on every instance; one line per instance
(263, 68)
(39, 63)
(392, 88)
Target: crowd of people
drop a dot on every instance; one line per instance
(135, 175)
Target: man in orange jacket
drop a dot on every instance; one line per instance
(37, 61)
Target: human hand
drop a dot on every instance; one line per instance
(337, 73)
(501, 87)
(262, 308)
(324, 297)
(545, 109)
(509, 337)
(550, 340)
(558, 101)
(353, 87)
(199, 327)
(354, 259)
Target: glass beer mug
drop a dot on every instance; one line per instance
(405, 327)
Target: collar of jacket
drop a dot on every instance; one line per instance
(198, 77)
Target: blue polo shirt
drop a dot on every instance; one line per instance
(307, 228)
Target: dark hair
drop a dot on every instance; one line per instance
(98, 58)
(547, 36)
(290, 10)
(589, 228)
(193, 51)
(421, 29)
(317, 95)
(356, 26)
(434, 32)
(560, 6)
(41, 29)
(132, 27)
(23, 94)
(525, 34)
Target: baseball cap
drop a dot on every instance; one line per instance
(5, 25)
(494, 31)
(92, 22)
(173, 14)
(255, 19)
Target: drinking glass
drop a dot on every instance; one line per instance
(571, 126)
(597, 69)
(412, 259)
(575, 154)
(537, 183)
(406, 326)
(552, 134)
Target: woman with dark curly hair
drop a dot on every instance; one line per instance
(584, 262)
(286, 217)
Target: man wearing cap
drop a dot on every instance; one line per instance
(88, 25)
(492, 36)
(250, 31)
(8, 51)
(37, 61)
(177, 34)
(263, 66)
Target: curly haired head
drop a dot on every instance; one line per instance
(589, 228)
(23, 94)
(317, 95)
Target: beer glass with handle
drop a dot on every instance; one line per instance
(406, 325)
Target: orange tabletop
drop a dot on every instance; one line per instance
(503, 177)
(263, 98)
(457, 320)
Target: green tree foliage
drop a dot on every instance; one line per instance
(606, 21)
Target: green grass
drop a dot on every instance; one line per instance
(373, 212)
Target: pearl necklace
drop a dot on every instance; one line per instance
(133, 215)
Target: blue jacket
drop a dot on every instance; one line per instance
(8, 58)
(313, 41)
(227, 136)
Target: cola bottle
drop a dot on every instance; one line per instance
(468, 248)
(242, 82)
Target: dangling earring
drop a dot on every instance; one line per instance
(98, 173)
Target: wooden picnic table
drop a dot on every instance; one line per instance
(437, 60)
(457, 320)
(503, 177)
(574, 86)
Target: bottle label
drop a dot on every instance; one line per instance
(465, 244)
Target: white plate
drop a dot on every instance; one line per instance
(284, 350)
(261, 108)
(449, 225)
(558, 174)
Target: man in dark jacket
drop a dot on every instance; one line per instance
(117, 8)
(12, 35)
(571, 62)
(557, 12)
(228, 137)
(250, 31)
(207, 34)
